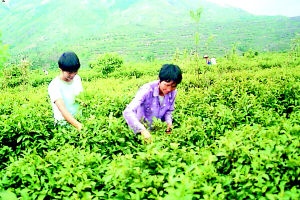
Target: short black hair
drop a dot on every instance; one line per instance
(170, 72)
(69, 62)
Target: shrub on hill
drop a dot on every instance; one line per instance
(16, 74)
(107, 63)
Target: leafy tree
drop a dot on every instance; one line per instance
(196, 15)
(209, 41)
(295, 46)
(233, 55)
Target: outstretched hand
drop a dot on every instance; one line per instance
(79, 126)
(146, 135)
(169, 129)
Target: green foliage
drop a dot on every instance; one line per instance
(250, 53)
(16, 74)
(235, 136)
(195, 16)
(3, 53)
(209, 41)
(295, 45)
(7, 195)
(107, 63)
(233, 54)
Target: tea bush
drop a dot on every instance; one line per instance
(16, 74)
(235, 136)
(107, 63)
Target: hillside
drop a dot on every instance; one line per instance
(137, 29)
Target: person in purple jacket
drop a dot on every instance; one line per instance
(154, 99)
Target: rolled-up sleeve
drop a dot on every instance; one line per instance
(130, 113)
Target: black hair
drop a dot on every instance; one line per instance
(69, 62)
(170, 72)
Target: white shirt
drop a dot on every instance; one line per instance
(213, 61)
(161, 99)
(67, 91)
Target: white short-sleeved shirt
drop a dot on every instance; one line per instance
(67, 91)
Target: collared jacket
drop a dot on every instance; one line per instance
(145, 105)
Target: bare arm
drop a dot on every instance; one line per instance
(67, 115)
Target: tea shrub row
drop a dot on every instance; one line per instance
(235, 136)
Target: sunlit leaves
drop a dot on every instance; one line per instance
(235, 136)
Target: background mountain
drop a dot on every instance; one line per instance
(137, 29)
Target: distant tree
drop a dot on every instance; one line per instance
(208, 41)
(196, 15)
(232, 55)
(295, 45)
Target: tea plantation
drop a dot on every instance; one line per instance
(235, 136)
